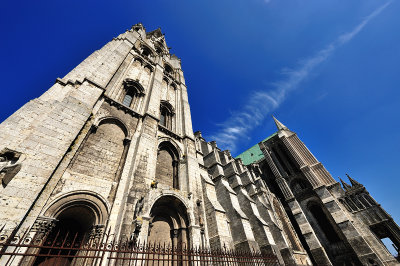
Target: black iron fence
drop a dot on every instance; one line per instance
(100, 248)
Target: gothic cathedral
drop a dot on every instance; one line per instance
(110, 147)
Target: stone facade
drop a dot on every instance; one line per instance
(111, 145)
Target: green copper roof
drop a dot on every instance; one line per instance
(253, 154)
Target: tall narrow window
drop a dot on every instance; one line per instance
(163, 120)
(324, 223)
(166, 115)
(132, 91)
(127, 99)
(168, 69)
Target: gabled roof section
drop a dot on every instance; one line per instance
(253, 154)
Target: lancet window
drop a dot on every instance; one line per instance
(132, 93)
(168, 69)
(323, 222)
(146, 52)
(166, 115)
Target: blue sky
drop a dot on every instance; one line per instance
(329, 70)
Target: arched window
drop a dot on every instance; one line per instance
(132, 92)
(363, 200)
(168, 69)
(159, 49)
(167, 165)
(345, 204)
(323, 222)
(166, 115)
(146, 51)
(356, 202)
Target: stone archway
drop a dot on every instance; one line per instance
(169, 224)
(77, 218)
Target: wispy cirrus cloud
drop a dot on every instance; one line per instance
(263, 102)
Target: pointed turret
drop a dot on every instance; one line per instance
(354, 182)
(345, 185)
(278, 124)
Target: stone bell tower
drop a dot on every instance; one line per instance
(110, 145)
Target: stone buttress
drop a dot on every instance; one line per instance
(247, 202)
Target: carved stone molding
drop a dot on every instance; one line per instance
(44, 224)
(97, 231)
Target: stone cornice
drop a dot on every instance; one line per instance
(187, 137)
(120, 106)
(77, 82)
(169, 132)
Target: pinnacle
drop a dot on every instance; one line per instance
(353, 182)
(278, 124)
(345, 185)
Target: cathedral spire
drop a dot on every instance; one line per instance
(278, 124)
(345, 185)
(353, 182)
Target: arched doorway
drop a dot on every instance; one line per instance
(72, 229)
(79, 219)
(169, 226)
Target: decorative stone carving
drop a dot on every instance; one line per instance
(138, 207)
(97, 231)
(137, 228)
(10, 164)
(44, 224)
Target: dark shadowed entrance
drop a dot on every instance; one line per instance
(74, 224)
(169, 225)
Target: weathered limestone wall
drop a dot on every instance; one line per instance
(42, 130)
(104, 148)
